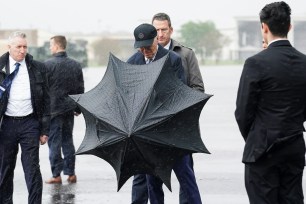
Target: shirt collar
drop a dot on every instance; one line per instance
(13, 62)
(168, 45)
(278, 39)
(147, 59)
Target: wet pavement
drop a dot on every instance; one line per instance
(219, 175)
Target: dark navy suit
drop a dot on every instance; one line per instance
(148, 184)
(24, 132)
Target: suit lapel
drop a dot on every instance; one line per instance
(160, 53)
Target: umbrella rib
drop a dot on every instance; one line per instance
(168, 99)
(140, 153)
(158, 108)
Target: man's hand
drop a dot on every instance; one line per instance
(43, 139)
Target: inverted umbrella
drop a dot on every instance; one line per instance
(141, 119)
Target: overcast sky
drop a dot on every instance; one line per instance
(60, 16)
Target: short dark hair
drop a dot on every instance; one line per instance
(277, 16)
(60, 40)
(162, 17)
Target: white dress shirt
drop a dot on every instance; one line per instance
(168, 45)
(277, 40)
(19, 102)
(150, 60)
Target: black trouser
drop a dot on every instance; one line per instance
(23, 132)
(276, 178)
(61, 142)
(140, 193)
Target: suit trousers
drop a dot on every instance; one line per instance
(23, 132)
(276, 178)
(140, 189)
(61, 141)
(185, 175)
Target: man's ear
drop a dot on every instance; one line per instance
(171, 29)
(264, 28)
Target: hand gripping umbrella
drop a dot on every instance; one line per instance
(141, 119)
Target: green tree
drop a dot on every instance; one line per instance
(204, 37)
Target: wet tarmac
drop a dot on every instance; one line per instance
(219, 175)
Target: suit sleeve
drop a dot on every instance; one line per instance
(81, 81)
(178, 66)
(46, 103)
(195, 77)
(247, 97)
(180, 71)
(81, 87)
(304, 120)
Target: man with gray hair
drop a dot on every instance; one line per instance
(144, 184)
(24, 117)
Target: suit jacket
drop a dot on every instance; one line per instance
(190, 64)
(271, 99)
(39, 90)
(176, 62)
(65, 78)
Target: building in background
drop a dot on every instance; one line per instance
(34, 38)
(299, 34)
(93, 49)
(38, 45)
(249, 38)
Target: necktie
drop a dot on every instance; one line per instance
(6, 84)
(149, 61)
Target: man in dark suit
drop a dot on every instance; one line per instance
(65, 78)
(149, 50)
(270, 112)
(25, 118)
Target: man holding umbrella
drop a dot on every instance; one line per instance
(149, 50)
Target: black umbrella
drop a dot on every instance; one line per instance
(141, 119)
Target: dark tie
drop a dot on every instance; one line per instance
(6, 84)
(149, 61)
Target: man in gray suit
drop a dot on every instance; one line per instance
(163, 25)
(270, 112)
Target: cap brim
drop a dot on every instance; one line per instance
(143, 43)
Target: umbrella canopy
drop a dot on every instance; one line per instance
(141, 119)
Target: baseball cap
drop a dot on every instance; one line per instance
(144, 35)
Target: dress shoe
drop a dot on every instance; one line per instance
(72, 179)
(54, 180)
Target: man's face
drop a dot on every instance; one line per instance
(164, 32)
(264, 44)
(18, 48)
(149, 51)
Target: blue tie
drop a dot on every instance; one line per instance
(6, 84)
(149, 61)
